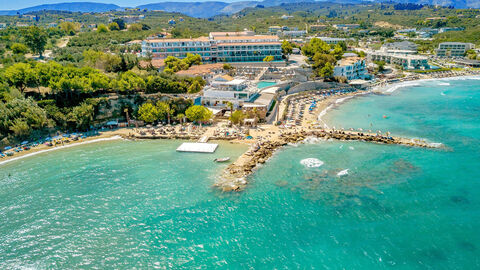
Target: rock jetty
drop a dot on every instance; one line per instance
(234, 177)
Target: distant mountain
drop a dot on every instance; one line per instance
(238, 6)
(194, 9)
(213, 8)
(73, 7)
(272, 3)
(454, 3)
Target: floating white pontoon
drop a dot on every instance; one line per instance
(198, 147)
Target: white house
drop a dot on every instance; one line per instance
(224, 89)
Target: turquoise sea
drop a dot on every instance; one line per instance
(125, 205)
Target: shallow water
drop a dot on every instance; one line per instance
(140, 204)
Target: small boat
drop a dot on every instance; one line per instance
(225, 159)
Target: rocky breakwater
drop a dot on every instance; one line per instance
(234, 177)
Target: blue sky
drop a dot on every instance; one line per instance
(18, 4)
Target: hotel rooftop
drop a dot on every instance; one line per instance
(242, 46)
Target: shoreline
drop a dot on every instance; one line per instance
(323, 107)
(387, 89)
(392, 87)
(46, 149)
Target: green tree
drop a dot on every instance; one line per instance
(82, 116)
(195, 87)
(268, 58)
(21, 76)
(193, 59)
(314, 46)
(18, 48)
(127, 82)
(198, 113)
(148, 113)
(20, 128)
(165, 110)
(287, 47)
(102, 28)
(337, 52)
(380, 66)
(180, 117)
(70, 28)
(327, 70)
(237, 117)
(136, 27)
(36, 39)
(113, 26)
(121, 23)
(321, 59)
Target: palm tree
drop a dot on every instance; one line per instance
(127, 116)
(170, 110)
(180, 117)
(230, 106)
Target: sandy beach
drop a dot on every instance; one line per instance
(104, 136)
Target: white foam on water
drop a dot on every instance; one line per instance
(343, 172)
(444, 83)
(436, 145)
(351, 148)
(311, 162)
(397, 86)
(313, 140)
(340, 100)
(60, 147)
(322, 113)
(443, 94)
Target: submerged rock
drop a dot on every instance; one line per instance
(281, 183)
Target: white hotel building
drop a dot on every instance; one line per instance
(351, 68)
(217, 47)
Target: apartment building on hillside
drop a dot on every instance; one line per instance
(453, 49)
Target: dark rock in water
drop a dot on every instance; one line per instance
(467, 246)
(403, 166)
(281, 183)
(435, 254)
(459, 199)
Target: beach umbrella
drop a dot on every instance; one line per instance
(24, 142)
(8, 148)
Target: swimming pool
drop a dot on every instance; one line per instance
(264, 84)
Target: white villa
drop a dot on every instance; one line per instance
(224, 89)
